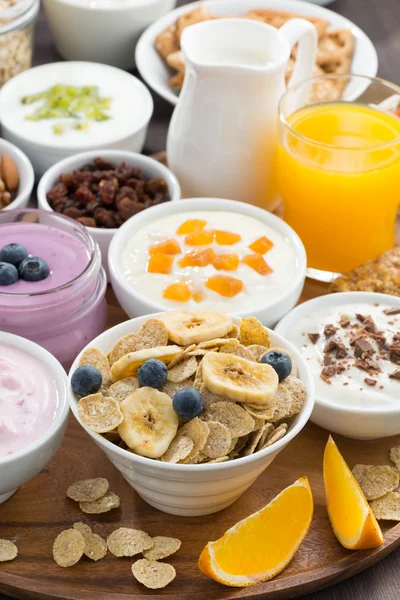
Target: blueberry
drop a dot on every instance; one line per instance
(280, 362)
(86, 380)
(34, 268)
(188, 403)
(13, 254)
(8, 274)
(152, 373)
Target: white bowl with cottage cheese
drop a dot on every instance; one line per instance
(352, 347)
(129, 114)
(33, 410)
(266, 296)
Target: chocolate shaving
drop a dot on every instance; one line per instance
(330, 371)
(394, 352)
(357, 336)
(395, 374)
(328, 360)
(368, 322)
(363, 349)
(330, 330)
(344, 321)
(336, 346)
(367, 365)
(392, 311)
(370, 382)
(379, 338)
(314, 337)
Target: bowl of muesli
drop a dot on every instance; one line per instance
(191, 406)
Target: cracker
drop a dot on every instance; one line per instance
(153, 574)
(183, 370)
(166, 41)
(100, 413)
(394, 456)
(257, 351)
(87, 490)
(181, 355)
(128, 542)
(376, 481)
(253, 332)
(298, 391)
(387, 508)
(234, 417)
(123, 346)
(276, 435)
(218, 440)
(104, 504)
(82, 527)
(68, 547)
(8, 550)
(162, 547)
(283, 406)
(233, 347)
(254, 439)
(121, 389)
(171, 388)
(95, 546)
(179, 449)
(197, 431)
(258, 411)
(95, 358)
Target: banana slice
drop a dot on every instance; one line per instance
(239, 379)
(128, 365)
(150, 422)
(193, 327)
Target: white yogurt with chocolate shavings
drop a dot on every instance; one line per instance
(219, 260)
(353, 352)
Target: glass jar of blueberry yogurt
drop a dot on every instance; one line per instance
(52, 284)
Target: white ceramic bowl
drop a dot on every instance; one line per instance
(26, 175)
(131, 110)
(354, 422)
(156, 73)
(152, 168)
(105, 31)
(192, 490)
(137, 304)
(20, 467)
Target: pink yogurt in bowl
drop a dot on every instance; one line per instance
(66, 310)
(33, 410)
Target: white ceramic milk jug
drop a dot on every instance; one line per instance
(222, 139)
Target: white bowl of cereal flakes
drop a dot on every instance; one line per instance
(191, 407)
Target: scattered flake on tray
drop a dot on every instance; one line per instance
(88, 490)
(82, 527)
(8, 550)
(104, 504)
(95, 546)
(376, 481)
(68, 547)
(387, 508)
(162, 548)
(128, 542)
(153, 574)
(394, 456)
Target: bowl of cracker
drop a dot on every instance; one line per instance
(191, 407)
(342, 46)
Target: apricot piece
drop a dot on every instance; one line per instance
(200, 238)
(198, 258)
(224, 285)
(262, 245)
(167, 247)
(180, 292)
(198, 296)
(226, 262)
(191, 226)
(226, 238)
(160, 263)
(257, 262)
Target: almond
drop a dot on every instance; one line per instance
(9, 173)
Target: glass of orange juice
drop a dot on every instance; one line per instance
(339, 169)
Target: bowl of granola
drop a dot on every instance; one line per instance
(342, 46)
(191, 407)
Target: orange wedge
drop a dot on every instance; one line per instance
(262, 545)
(352, 519)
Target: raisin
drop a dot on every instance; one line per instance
(87, 221)
(57, 191)
(107, 191)
(127, 208)
(105, 218)
(84, 196)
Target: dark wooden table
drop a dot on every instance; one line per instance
(380, 19)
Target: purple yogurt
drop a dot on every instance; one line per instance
(67, 310)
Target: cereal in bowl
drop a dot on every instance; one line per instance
(198, 390)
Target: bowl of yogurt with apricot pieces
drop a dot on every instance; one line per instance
(351, 343)
(207, 254)
(33, 410)
(52, 284)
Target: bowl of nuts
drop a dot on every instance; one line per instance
(16, 177)
(103, 190)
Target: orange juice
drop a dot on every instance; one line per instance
(339, 178)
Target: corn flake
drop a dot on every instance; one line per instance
(283, 399)
(87, 490)
(233, 347)
(183, 370)
(100, 413)
(104, 504)
(197, 431)
(95, 358)
(253, 332)
(257, 351)
(162, 547)
(123, 346)
(276, 435)
(95, 546)
(121, 389)
(179, 449)
(234, 417)
(395, 456)
(128, 542)
(8, 550)
(387, 508)
(82, 527)
(68, 547)
(376, 481)
(218, 441)
(153, 574)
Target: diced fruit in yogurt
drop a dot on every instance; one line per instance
(226, 262)
(224, 285)
(167, 247)
(191, 226)
(13, 253)
(198, 296)
(257, 262)
(86, 380)
(188, 403)
(262, 245)
(152, 373)
(180, 292)
(34, 268)
(280, 362)
(200, 238)
(198, 258)
(226, 238)
(8, 274)
(160, 263)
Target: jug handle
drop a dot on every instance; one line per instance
(305, 34)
